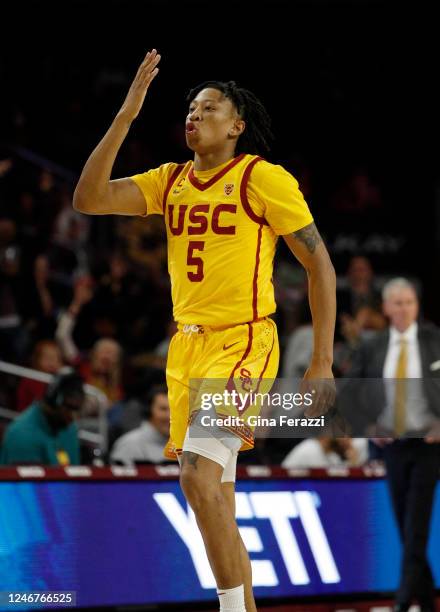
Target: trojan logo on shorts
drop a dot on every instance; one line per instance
(229, 188)
(246, 380)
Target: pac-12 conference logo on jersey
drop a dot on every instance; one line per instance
(229, 188)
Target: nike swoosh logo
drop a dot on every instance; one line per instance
(225, 348)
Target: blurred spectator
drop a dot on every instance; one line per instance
(82, 294)
(13, 336)
(359, 290)
(359, 311)
(33, 233)
(161, 350)
(145, 240)
(117, 293)
(47, 193)
(404, 411)
(46, 433)
(129, 413)
(291, 287)
(299, 347)
(146, 443)
(40, 307)
(158, 357)
(67, 250)
(5, 166)
(71, 230)
(6, 170)
(327, 452)
(366, 324)
(113, 298)
(46, 357)
(102, 368)
(358, 195)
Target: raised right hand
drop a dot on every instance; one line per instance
(138, 89)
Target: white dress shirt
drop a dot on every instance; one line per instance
(418, 416)
(144, 443)
(309, 453)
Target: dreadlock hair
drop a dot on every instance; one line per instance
(257, 135)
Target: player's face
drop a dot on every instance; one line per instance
(402, 308)
(212, 122)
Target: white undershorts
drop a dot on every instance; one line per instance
(222, 450)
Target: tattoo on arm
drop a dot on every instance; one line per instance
(309, 235)
(189, 458)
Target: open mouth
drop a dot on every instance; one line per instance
(191, 128)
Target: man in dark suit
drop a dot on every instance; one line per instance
(405, 409)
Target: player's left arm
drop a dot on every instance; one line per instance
(308, 247)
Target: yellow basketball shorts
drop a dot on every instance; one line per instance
(203, 360)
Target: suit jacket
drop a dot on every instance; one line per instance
(361, 402)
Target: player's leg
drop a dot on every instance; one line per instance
(228, 487)
(201, 473)
(202, 462)
(201, 483)
(254, 349)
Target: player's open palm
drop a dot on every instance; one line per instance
(138, 89)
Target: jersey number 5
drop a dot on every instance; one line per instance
(195, 245)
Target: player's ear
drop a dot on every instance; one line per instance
(238, 128)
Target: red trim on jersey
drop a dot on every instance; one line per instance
(230, 385)
(243, 193)
(170, 183)
(202, 186)
(255, 279)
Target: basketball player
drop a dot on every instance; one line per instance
(223, 213)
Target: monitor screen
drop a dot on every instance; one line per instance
(121, 542)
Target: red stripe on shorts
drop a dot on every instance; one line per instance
(266, 362)
(230, 385)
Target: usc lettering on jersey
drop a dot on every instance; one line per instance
(222, 228)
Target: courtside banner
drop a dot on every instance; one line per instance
(294, 408)
(136, 542)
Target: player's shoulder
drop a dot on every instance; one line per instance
(265, 171)
(263, 167)
(167, 169)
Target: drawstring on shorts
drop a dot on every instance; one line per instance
(192, 329)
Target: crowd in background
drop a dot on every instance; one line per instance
(98, 299)
(94, 293)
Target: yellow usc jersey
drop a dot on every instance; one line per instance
(222, 227)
